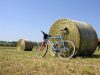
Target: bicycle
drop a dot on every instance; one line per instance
(64, 49)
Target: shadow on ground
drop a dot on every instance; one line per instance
(93, 56)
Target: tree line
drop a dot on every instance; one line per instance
(12, 43)
(8, 43)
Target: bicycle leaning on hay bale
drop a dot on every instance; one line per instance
(64, 49)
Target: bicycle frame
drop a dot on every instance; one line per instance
(47, 37)
(58, 47)
(59, 41)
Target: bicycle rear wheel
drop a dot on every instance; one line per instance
(67, 50)
(41, 52)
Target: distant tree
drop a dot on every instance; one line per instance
(8, 43)
(13, 43)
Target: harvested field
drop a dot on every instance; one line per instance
(14, 62)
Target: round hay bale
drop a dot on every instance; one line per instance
(81, 34)
(24, 45)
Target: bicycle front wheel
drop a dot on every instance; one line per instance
(67, 49)
(41, 52)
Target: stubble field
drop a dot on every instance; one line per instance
(13, 62)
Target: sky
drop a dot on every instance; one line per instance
(26, 18)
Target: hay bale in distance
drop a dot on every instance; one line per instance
(81, 34)
(24, 45)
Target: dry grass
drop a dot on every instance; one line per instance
(13, 62)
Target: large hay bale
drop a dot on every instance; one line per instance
(81, 34)
(24, 45)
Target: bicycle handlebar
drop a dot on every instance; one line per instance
(46, 36)
(43, 32)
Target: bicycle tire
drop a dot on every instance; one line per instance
(67, 53)
(41, 53)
